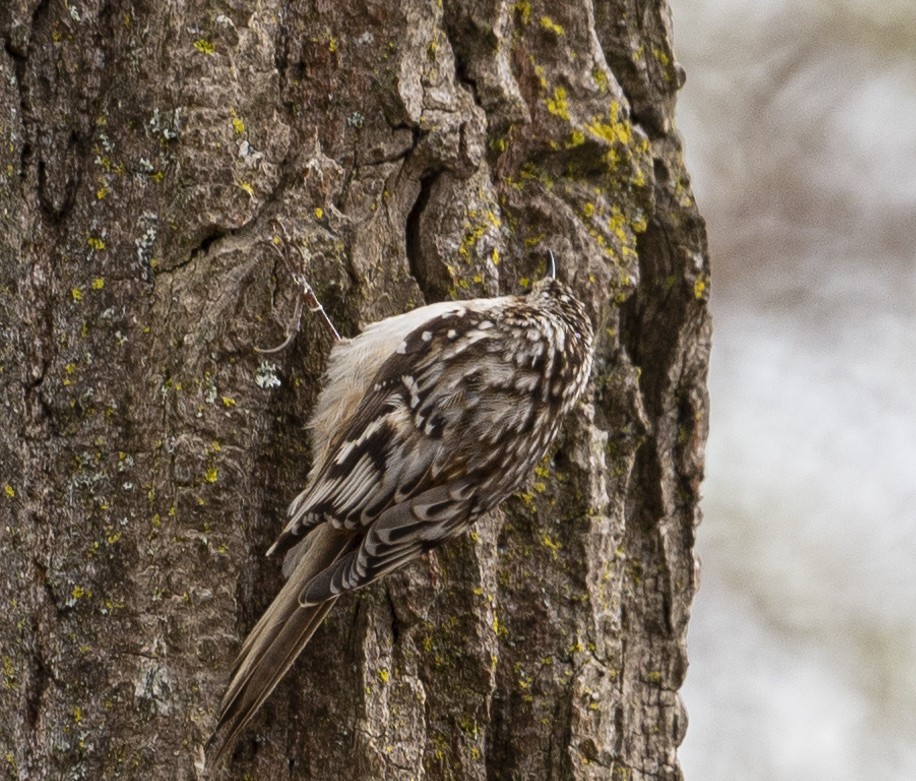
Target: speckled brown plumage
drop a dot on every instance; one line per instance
(427, 420)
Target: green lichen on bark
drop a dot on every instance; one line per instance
(415, 152)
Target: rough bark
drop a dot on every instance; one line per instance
(417, 150)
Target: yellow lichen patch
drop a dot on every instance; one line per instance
(383, 675)
(558, 105)
(9, 491)
(228, 401)
(477, 226)
(238, 125)
(617, 224)
(211, 475)
(661, 56)
(98, 283)
(332, 45)
(601, 79)
(247, 188)
(523, 9)
(319, 212)
(551, 26)
(76, 294)
(639, 178)
(551, 544)
(204, 46)
(682, 191)
(614, 130)
(9, 672)
(541, 75)
(542, 470)
(499, 144)
(576, 138)
(95, 243)
(699, 288)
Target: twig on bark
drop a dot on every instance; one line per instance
(307, 295)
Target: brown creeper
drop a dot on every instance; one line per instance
(426, 421)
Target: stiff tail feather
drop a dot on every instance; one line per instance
(276, 640)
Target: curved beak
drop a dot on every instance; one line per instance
(551, 265)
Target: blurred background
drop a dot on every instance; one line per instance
(800, 128)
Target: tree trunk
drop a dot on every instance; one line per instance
(152, 155)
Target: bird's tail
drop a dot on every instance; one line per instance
(275, 642)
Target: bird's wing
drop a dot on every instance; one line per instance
(395, 445)
(402, 532)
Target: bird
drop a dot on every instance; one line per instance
(426, 421)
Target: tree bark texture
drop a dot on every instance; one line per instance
(151, 156)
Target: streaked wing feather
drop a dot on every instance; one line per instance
(401, 533)
(406, 408)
